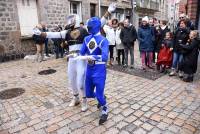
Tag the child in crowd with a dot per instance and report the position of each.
(190, 57)
(165, 53)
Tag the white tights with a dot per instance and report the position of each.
(76, 74)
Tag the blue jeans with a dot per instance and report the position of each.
(177, 58)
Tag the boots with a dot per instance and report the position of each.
(104, 115)
(84, 105)
(75, 101)
(180, 74)
(162, 69)
(188, 78)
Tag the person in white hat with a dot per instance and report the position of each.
(146, 39)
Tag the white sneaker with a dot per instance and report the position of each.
(74, 102)
(84, 105)
(173, 72)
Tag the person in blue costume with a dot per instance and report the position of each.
(74, 37)
(95, 50)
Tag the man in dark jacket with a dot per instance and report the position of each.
(128, 36)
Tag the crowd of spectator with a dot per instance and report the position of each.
(175, 51)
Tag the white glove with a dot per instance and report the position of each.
(112, 7)
(36, 31)
(84, 58)
(71, 55)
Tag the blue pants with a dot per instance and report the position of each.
(99, 83)
(177, 58)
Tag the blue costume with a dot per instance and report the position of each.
(96, 46)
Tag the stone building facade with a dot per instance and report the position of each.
(9, 27)
(192, 9)
(162, 14)
(18, 17)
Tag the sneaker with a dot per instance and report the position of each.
(180, 74)
(188, 79)
(84, 105)
(98, 106)
(143, 67)
(132, 67)
(74, 102)
(158, 67)
(125, 65)
(162, 69)
(172, 73)
(150, 66)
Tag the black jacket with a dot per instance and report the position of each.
(190, 57)
(128, 35)
(160, 37)
(168, 43)
(181, 36)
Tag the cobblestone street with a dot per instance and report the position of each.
(136, 105)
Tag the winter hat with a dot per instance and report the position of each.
(145, 19)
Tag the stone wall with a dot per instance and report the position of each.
(49, 11)
(9, 27)
(192, 9)
(53, 11)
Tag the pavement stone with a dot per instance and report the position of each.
(136, 105)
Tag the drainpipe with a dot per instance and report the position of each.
(99, 4)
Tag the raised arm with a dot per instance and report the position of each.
(61, 34)
(111, 9)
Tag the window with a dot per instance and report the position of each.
(75, 8)
(92, 10)
(28, 17)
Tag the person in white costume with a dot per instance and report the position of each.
(74, 37)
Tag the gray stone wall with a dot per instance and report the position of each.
(9, 27)
(53, 12)
(49, 11)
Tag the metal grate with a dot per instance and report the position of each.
(148, 74)
(11, 93)
(47, 72)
